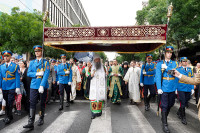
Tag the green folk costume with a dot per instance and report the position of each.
(86, 80)
(115, 84)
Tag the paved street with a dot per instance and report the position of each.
(124, 118)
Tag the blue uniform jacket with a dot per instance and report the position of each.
(148, 78)
(169, 83)
(182, 86)
(9, 77)
(64, 78)
(35, 67)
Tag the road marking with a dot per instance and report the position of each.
(140, 123)
(17, 126)
(62, 123)
(102, 124)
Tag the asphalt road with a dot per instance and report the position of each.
(124, 118)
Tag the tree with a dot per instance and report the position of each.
(183, 25)
(20, 31)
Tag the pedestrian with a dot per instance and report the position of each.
(132, 78)
(147, 80)
(9, 83)
(39, 72)
(87, 78)
(184, 90)
(125, 89)
(64, 72)
(97, 87)
(51, 81)
(166, 85)
(115, 85)
(76, 79)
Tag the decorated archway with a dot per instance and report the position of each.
(121, 39)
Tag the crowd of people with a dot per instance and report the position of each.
(46, 80)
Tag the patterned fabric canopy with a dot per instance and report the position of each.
(130, 39)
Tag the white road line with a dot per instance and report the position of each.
(102, 124)
(62, 123)
(17, 126)
(141, 124)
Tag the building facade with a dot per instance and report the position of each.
(66, 13)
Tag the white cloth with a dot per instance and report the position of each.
(133, 78)
(76, 78)
(41, 89)
(160, 91)
(41, 73)
(98, 84)
(18, 91)
(164, 66)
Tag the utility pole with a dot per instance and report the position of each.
(44, 6)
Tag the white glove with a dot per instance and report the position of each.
(67, 72)
(160, 91)
(141, 84)
(176, 92)
(0, 90)
(69, 83)
(41, 73)
(41, 89)
(144, 72)
(57, 82)
(192, 91)
(17, 90)
(164, 66)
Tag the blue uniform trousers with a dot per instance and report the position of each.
(151, 89)
(167, 101)
(184, 97)
(67, 89)
(34, 96)
(9, 97)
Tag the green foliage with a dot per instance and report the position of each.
(20, 31)
(184, 23)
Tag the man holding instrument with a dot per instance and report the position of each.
(39, 72)
(166, 85)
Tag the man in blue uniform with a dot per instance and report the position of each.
(64, 72)
(184, 90)
(147, 80)
(9, 83)
(55, 86)
(39, 70)
(166, 84)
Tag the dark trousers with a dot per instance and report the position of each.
(197, 93)
(9, 97)
(34, 96)
(167, 101)
(67, 89)
(152, 90)
(184, 97)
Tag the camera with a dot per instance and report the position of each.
(171, 72)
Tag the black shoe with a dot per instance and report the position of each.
(183, 118)
(92, 117)
(164, 122)
(19, 112)
(7, 120)
(67, 104)
(40, 122)
(72, 101)
(146, 108)
(61, 108)
(31, 120)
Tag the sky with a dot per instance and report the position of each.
(112, 13)
(99, 12)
